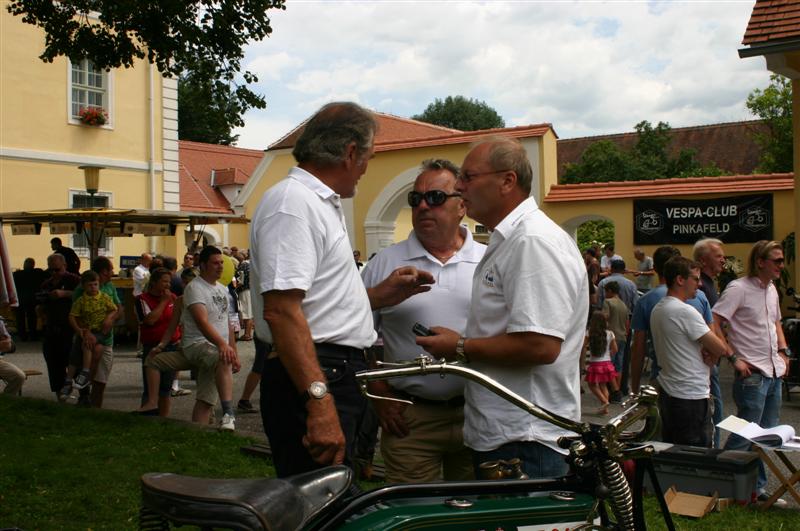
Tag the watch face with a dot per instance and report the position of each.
(317, 389)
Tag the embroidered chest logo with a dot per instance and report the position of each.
(488, 277)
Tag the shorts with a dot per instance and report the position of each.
(203, 357)
(618, 359)
(262, 349)
(103, 369)
(245, 308)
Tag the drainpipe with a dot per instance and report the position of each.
(151, 163)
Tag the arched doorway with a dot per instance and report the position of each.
(380, 223)
(590, 228)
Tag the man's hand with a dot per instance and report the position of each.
(785, 359)
(742, 368)
(324, 439)
(390, 412)
(227, 354)
(89, 341)
(442, 344)
(402, 283)
(108, 323)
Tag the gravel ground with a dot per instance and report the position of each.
(124, 390)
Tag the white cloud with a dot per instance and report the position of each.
(587, 68)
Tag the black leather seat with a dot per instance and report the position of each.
(269, 504)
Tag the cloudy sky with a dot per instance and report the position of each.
(586, 67)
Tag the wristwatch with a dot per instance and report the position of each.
(785, 350)
(460, 354)
(732, 358)
(316, 390)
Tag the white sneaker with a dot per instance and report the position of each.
(227, 423)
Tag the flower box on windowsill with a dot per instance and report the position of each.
(94, 116)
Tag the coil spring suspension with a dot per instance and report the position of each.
(621, 497)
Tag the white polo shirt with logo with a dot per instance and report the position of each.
(446, 304)
(531, 279)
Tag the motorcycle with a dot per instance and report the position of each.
(322, 500)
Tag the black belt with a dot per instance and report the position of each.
(456, 401)
(326, 350)
(342, 352)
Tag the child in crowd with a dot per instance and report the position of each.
(88, 319)
(619, 323)
(600, 371)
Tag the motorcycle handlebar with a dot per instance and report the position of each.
(642, 405)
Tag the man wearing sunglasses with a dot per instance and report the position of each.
(423, 442)
(527, 317)
(749, 313)
(311, 310)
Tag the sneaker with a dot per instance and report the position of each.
(81, 381)
(245, 406)
(227, 423)
(63, 394)
(180, 392)
(780, 503)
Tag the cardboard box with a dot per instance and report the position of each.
(692, 505)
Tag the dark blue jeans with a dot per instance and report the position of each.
(283, 411)
(538, 461)
(716, 395)
(758, 399)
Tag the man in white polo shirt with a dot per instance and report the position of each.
(309, 303)
(679, 335)
(527, 318)
(423, 442)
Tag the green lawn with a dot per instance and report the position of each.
(68, 468)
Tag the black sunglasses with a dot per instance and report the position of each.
(432, 197)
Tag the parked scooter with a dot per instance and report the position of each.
(320, 500)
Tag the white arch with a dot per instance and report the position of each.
(380, 221)
(571, 225)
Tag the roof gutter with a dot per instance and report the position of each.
(768, 49)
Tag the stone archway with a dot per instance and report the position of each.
(571, 225)
(379, 224)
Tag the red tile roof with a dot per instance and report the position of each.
(671, 187)
(390, 129)
(395, 132)
(729, 145)
(231, 165)
(773, 20)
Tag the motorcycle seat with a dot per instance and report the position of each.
(268, 504)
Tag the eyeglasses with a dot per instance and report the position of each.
(776, 261)
(432, 197)
(467, 177)
(696, 278)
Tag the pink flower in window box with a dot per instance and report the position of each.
(93, 116)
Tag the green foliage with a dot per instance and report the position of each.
(596, 231)
(604, 161)
(774, 106)
(461, 113)
(207, 111)
(201, 38)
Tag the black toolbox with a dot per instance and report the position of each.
(704, 471)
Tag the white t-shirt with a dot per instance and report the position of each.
(677, 328)
(298, 240)
(215, 298)
(140, 276)
(531, 279)
(605, 261)
(446, 304)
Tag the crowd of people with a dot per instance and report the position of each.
(526, 310)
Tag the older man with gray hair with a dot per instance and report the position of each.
(310, 307)
(527, 317)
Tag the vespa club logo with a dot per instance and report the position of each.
(755, 218)
(649, 222)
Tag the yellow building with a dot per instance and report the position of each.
(43, 141)
(772, 33)
(378, 215)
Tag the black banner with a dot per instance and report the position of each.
(737, 219)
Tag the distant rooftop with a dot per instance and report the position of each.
(729, 145)
(773, 21)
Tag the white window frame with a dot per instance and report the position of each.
(83, 251)
(108, 101)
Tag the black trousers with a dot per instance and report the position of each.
(283, 410)
(686, 421)
(56, 346)
(26, 321)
